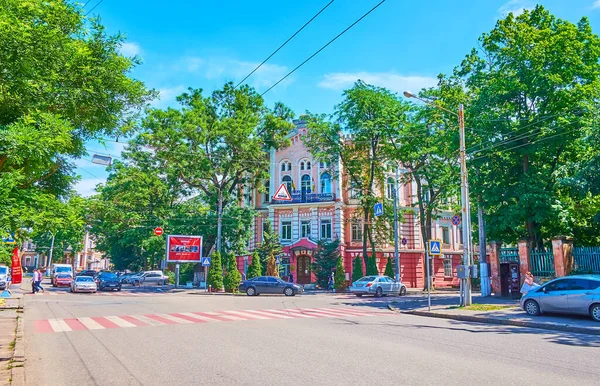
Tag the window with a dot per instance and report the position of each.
(289, 166)
(305, 184)
(286, 230)
(390, 185)
(325, 183)
(357, 230)
(307, 165)
(354, 191)
(287, 180)
(265, 229)
(559, 285)
(447, 266)
(326, 229)
(445, 235)
(323, 165)
(267, 191)
(305, 228)
(283, 166)
(425, 194)
(286, 165)
(302, 165)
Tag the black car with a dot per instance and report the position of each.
(269, 285)
(107, 281)
(88, 272)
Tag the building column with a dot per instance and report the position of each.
(563, 255)
(524, 250)
(314, 223)
(295, 225)
(494, 262)
(339, 223)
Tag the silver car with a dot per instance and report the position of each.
(566, 295)
(377, 286)
(84, 284)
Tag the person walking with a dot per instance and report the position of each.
(40, 277)
(34, 288)
(331, 282)
(291, 278)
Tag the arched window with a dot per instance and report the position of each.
(307, 165)
(283, 166)
(287, 180)
(302, 165)
(289, 166)
(305, 184)
(325, 183)
(267, 191)
(389, 193)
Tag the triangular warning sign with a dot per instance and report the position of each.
(282, 194)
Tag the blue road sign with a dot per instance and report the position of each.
(435, 247)
(456, 220)
(205, 261)
(277, 260)
(404, 241)
(378, 208)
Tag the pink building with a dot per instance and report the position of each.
(324, 207)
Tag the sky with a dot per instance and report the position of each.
(402, 45)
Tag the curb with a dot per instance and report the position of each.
(18, 359)
(510, 322)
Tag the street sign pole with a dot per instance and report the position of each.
(396, 255)
(428, 279)
(466, 207)
(177, 275)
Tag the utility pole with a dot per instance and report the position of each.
(396, 255)
(466, 208)
(51, 250)
(85, 247)
(485, 277)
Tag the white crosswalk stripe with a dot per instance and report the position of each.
(270, 314)
(90, 323)
(223, 315)
(120, 322)
(199, 317)
(59, 325)
(147, 320)
(175, 319)
(248, 314)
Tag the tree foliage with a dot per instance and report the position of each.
(340, 276)
(254, 269)
(233, 277)
(215, 272)
(389, 269)
(268, 250)
(357, 269)
(325, 260)
(372, 268)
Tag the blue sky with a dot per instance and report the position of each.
(402, 45)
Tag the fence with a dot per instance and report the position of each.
(541, 262)
(586, 259)
(509, 255)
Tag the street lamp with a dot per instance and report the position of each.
(465, 299)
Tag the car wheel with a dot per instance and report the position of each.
(532, 308)
(119, 289)
(403, 291)
(251, 291)
(595, 312)
(378, 292)
(358, 295)
(288, 291)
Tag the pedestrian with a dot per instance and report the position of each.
(331, 282)
(243, 276)
(34, 288)
(291, 278)
(40, 277)
(528, 284)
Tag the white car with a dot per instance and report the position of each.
(150, 277)
(377, 286)
(84, 284)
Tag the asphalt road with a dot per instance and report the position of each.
(145, 345)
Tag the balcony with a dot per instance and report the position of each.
(299, 197)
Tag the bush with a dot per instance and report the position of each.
(357, 269)
(389, 269)
(254, 270)
(233, 277)
(372, 266)
(340, 276)
(325, 261)
(215, 272)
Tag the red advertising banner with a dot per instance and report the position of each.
(17, 273)
(184, 249)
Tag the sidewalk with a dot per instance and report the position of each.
(12, 358)
(508, 314)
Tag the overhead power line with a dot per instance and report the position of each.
(286, 42)
(94, 7)
(322, 48)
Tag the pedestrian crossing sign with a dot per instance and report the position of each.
(205, 261)
(435, 247)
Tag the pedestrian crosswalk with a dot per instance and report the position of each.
(149, 320)
(111, 293)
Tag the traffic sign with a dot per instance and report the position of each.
(435, 247)
(158, 231)
(282, 194)
(278, 260)
(404, 241)
(456, 220)
(378, 209)
(205, 261)
(9, 240)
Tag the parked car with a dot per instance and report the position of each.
(269, 285)
(579, 294)
(152, 277)
(63, 280)
(58, 269)
(124, 278)
(4, 274)
(87, 272)
(377, 286)
(83, 284)
(108, 280)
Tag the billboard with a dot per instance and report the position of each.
(184, 249)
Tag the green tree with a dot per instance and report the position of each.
(372, 266)
(325, 260)
(269, 249)
(389, 269)
(357, 269)
(254, 270)
(535, 108)
(233, 277)
(216, 144)
(340, 276)
(215, 272)
(369, 115)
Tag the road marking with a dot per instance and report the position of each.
(188, 316)
(104, 322)
(59, 325)
(270, 314)
(342, 312)
(90, 323)
(247, 315)
(213, 316)
(120, 322)
(75, 324)
(148, 321)
(175, 319)
(292, 313)
(132, 320)
(195, 315)
(160, 319)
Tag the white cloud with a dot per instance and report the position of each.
(130, 49)
(236, 70)
(87, 187)
(390, 80)
(516, 7)
(596, 4)
(167, 96)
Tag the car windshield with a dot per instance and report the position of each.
(63, 276)
(108, 276)
(84, 278)
(63, 269)
(3, 270)
(367, 278)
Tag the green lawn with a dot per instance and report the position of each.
(484, 307)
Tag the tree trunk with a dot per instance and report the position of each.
(365, 236)
(219, 218)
